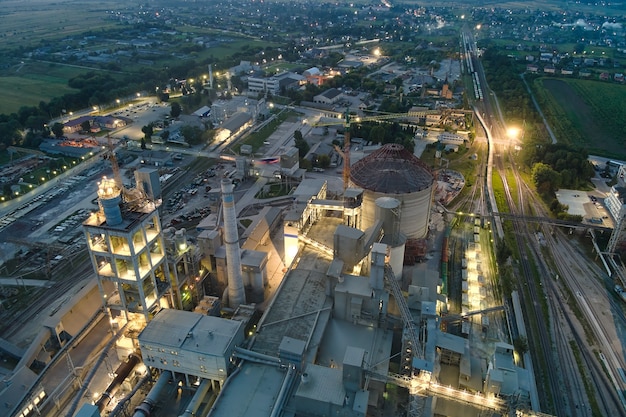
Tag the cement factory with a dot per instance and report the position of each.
(328, 322)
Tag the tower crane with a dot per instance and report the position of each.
(348, 119)
(110, 155)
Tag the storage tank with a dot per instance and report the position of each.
(392, 171)
(388, 211)
(110, 198)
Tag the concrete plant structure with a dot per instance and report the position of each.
(127, 251)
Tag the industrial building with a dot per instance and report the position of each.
(330, 338)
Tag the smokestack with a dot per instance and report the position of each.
(236, 292)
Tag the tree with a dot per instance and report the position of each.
(301, 144)
(305, 164)
(86, 126)
(502, 253)
(377, 134)
(175, 110)
(521, 345)
(192, 134)
(545, 178)
(143, 143)
(323, 161)
(163, 96)
(57, 129)
(148, 131)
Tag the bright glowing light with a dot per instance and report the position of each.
(478, 26)
(513, 132)
(376, 52)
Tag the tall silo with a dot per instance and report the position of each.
(388, 211)
(392, 171)
(110, 198)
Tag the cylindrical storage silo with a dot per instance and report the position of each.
(396, 257)
(110, 198)
(388, 211)
(392, 171)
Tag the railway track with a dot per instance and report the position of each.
(568, 390)
(540, 344)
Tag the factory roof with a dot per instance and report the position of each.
(391, 170)
(308, 188)
(132, 216)
(354, 356)
(354, 285)
(451, 342)
(324, 385)
(190, 331)
(253, 258)
(352, 192)
(350, 232)
(251, 392)
(261, 225)
(236, 121)
(289, 312)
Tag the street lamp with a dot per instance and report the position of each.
(513, 132)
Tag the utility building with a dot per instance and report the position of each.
(191, 344)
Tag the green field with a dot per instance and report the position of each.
(585, 113)
(26, 23)
(32, 82)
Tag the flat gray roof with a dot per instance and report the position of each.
(451, 342)
(190, 331)
(341, 335)
(348, 231)
(324, 385)
(251, 392)
(299, 295)
(354, 356)
(355, 285)
(308, 188)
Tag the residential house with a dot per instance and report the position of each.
(549, 69)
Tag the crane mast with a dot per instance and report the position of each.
(117, 175)
(346, 151)
(377, 118)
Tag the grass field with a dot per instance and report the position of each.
(32, 82)
(585, 113)
(26, 23)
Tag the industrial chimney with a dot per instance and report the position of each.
(236, 292)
